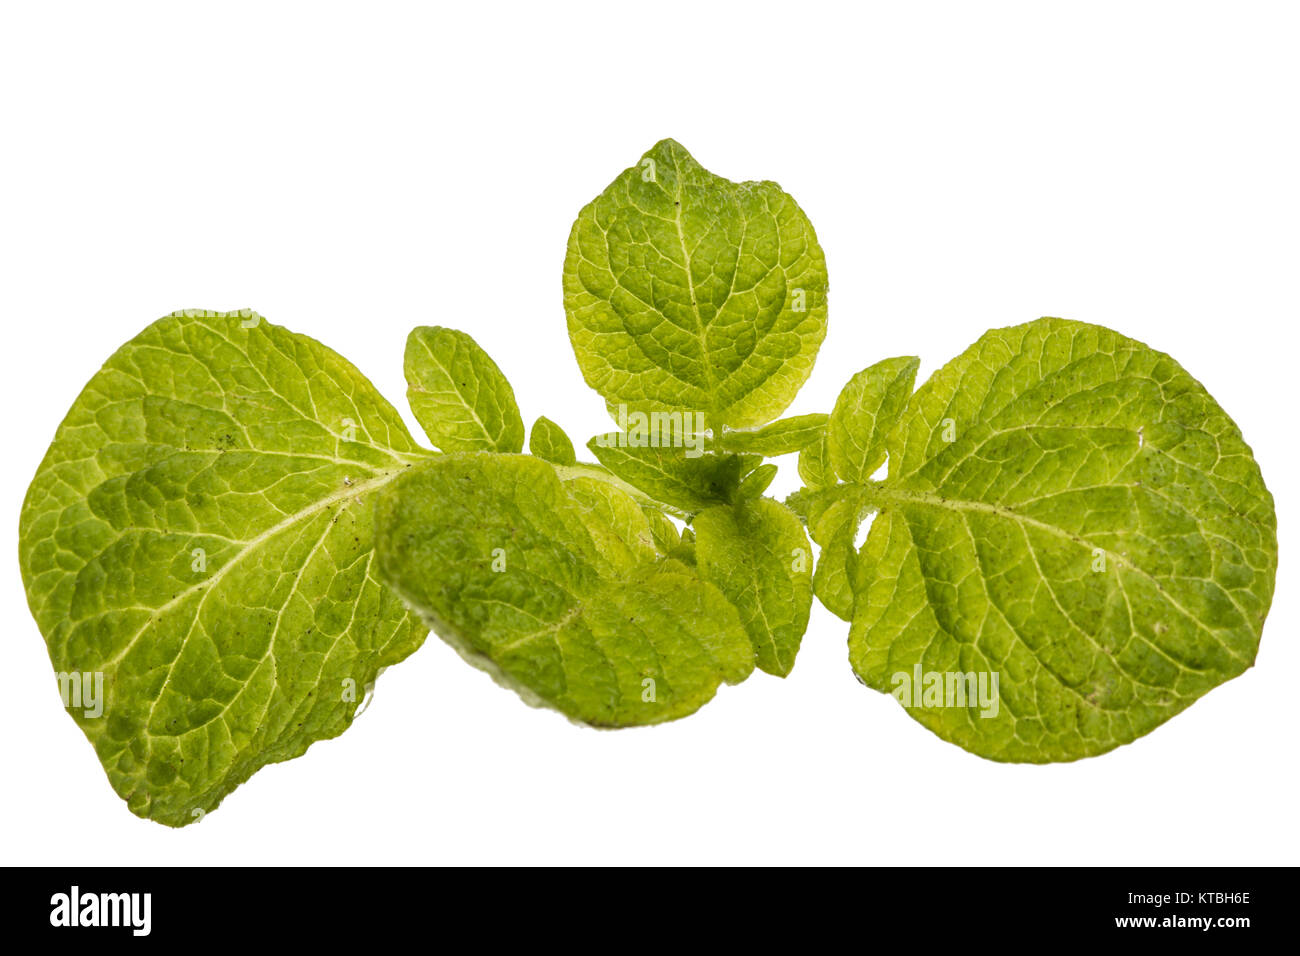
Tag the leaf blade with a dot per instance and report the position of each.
(1094, 478)
(458, 394)
(548, 441)
(815, 466)
(781, 437)
(758, 555)
(685, 291)
(210, 450)
(865, 413)
(668, 474)
(564, 620)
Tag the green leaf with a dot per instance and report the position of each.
(778, 438)
(835, 530)
(758, 555)
(200, 535)
(684, 550)
(810, 504)
(833, 515)
(815, 464)
(662, 530)
(548, 441)
(530, 583)
(668, 474)
(613, 514)
(756, 482)
(1070, 510)
(865, 412)
(685, 291)
(458, 395)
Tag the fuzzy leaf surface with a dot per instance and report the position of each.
(1069, 509)
(559, 596)
(685, 291)
(200, 534)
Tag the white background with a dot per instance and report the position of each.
(353, 171)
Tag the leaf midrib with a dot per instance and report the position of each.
(883, 493)
(709, 381)
(348, 492)
(455, 390)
